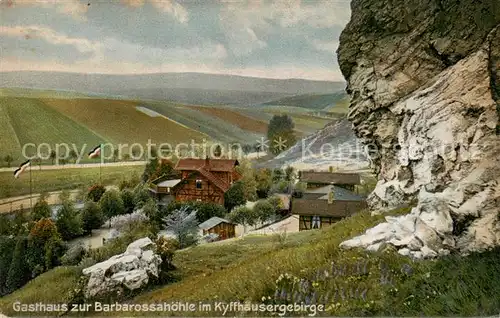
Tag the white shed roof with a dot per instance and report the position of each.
(168, 183)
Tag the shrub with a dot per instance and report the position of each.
(69, 222)
(235, 196)
(111, 204)
(96, 192)
(141, 195)
(276, 203)
(207, 210)
(73, 255)
(299, 190)
(184, 225)
(128, 200)
(7, 246)
(243, 215)
(41, 209)
(264, 210)
(92, 217)
(43, 231)
(19, 271)
(6, 225)
(264, 181)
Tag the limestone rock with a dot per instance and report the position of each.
(425, 92)
(128, 271)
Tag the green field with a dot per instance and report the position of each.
(32, 121)
(247, 270)
(310, 101)
(63, 179)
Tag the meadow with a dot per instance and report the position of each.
(29, 120)
(63, 179)
(253, 268)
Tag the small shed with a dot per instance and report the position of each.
(222, 227)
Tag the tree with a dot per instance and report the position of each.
(69, 222)
(19, 271)
(184, 225)
(96, 192)
(44, 246)
(112, 204)
(281, 133)
(289, 173)
(6, 225)
(150, 209)
(52, 156)
(116, 155)
(128, 200)
(8, 160)
(7, 246)
(151, 167)
(41, 209)
(246, 148)
(235, 196)
(207, 210)
(264, 210)
(264, 182)
(141, 195)
(244, 216)
(248, 180)
(92, 217)
(73, 155)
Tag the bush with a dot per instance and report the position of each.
(96, 192)
(141, 195)
(299, 190)
(128, 201)
(41, 209)
(235, 196)
(69, 222)
(73, 256)
(92, 217)
(276, 203)
(111, 204)
(7, 246)
(19, 271)
(243, 215)
(264, 210)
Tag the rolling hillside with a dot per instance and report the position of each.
(311, 101)
(190, 88)
(28, 120)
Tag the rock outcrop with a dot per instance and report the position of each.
(128, 271)
(424, 78)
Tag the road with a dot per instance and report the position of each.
(14, 203)
(81, 166)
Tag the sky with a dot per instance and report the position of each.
(258, 38)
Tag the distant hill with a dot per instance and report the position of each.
(180, 87)
(310, 101)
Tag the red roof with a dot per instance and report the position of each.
(218, 182)
(213, 164)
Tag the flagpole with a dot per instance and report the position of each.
(100, 165)
(31, 190)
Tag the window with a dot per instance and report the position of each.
(316, 222)
(198, 184)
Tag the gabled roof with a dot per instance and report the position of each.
(218, 182)
(330, 177)
(169, 183)
(339, 193)
(213, 164)
(210, 223)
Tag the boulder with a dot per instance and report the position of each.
(131, 270)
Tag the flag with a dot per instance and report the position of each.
(96, 152)
(21, 168)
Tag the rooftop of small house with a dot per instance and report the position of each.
(325, 177)
(223, 165)
(340, 194)
(214, 221)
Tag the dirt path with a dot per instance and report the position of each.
(14, 203)
(80, 166)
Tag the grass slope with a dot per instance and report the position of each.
(310, 101)
(235, 118)
(31, 121)
(55, 180)
(122, 123)
(213, 126)
(247, 269)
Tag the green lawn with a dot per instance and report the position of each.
(34, 122)
(54, 180)
(248, 270)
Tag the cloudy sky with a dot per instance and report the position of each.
(262, 38)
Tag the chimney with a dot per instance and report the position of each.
(207, 162)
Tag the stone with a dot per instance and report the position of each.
(425, 88)
(427, 252)
(130, 270)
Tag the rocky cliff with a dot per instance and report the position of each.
(424, 77)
